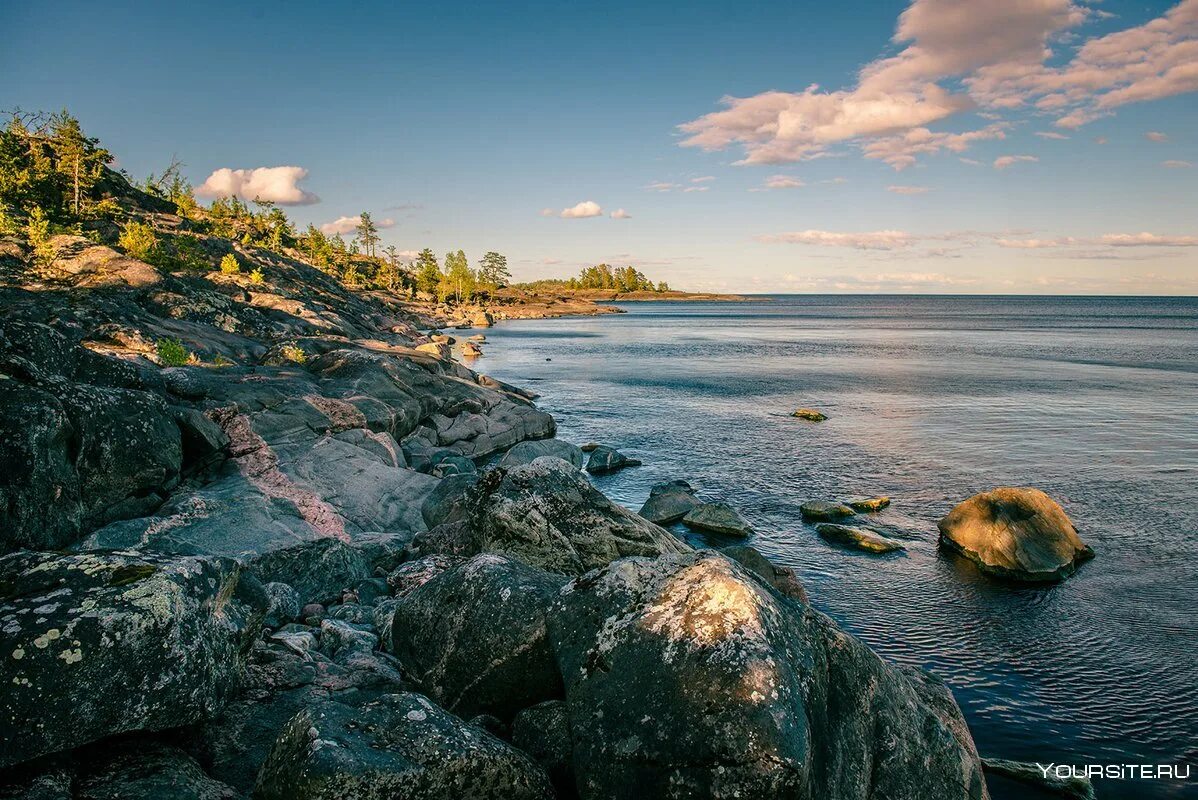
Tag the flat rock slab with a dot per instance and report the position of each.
(809, 414)
(825, 511)
(858, 538)
(717, 518)
(867, 505)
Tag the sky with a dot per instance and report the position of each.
(935, 146)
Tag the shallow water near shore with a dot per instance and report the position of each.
(930, 400)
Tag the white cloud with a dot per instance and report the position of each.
(1156, 136)
(587, 208)
(548, 212)
(1143, 239)
(696, 189)
(873, 240)
(1175, 164)
(909, 189)
(1002, 162)
(620, 213)
(350, 224)
(782, 182)
(275, 184)
(1051, 135)
(703, 179)
(662, 186)
(998, 51)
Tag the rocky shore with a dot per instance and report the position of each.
(283, 569)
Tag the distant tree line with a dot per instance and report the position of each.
(603, 276)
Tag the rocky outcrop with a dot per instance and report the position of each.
(867, 505)
(525, 452)
(97, 644)
(824, 510)
(857, 538)
(604, 459)
(687, 677)
(473, 637)
(549, 516)
(1016, 534)
(400, 745)
(669, 502)
(717, 518)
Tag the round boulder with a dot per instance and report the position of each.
(717, 518)
(1015, 533)
(669, 502)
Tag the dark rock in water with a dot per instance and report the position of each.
(543, 731)
(717, 518)
(867, 505)
(473, 637)
(97, 644)
(399, 746)
(809, 414)
(858, 538)
(525, 452)
(1017, 534)
(549, 516)
(669, 502)
(687, 677)
(605, 459)
(146, 769)
(1077, 788)
(824, 510)
(445, 503)
(783, 579)
(589, 447)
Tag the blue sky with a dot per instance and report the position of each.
(475, 125)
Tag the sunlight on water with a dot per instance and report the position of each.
(931, 400)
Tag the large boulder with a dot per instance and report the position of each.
(400, 745)
(669, 502)
(474, 637)
(686, 676)
(525, 452)
(97, 644)
(606, 459)
(548, 515)
(717, 518)
(1017, 534)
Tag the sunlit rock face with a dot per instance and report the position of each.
(97, 644)
(686, 676)
(1016, 534)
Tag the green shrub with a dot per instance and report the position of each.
(229, 265)
(294, 353)
(138, 240)
(38, 231)
(172, 353)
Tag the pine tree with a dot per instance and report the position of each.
(428, 272)
(368, 233)
(493, 272)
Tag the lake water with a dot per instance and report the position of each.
(930, 400)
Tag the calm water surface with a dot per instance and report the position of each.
(1094, 400)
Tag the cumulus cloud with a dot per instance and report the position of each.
(587, 208)
(274, 184)
(620, 213)
(1156, 136)
(350, 224)
(1175, 164)
(1002, 162)
(909, 189)
(1005, 56)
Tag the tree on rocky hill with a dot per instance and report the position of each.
(493, 272)
(368, 234)
(428, 271)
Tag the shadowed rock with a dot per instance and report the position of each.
(605, 459)
(400, 745)
(473, 637)
(1017, 534)
(783, 579)
(526, 452)
(1032, 775)
(718, 518)
(825, 510)
(97, 644)
(669, 502)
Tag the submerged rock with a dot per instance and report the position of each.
(549, 516)
(669, 502)
(1017, 534)
(1077, 788)
(867, 505)
(858, 538)
(687, 677)
(718, 518)
(605, 459)
(473, 637)
(400, 745)
(526, 452)
(809, 414)
(97, 644)
(825, 510)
